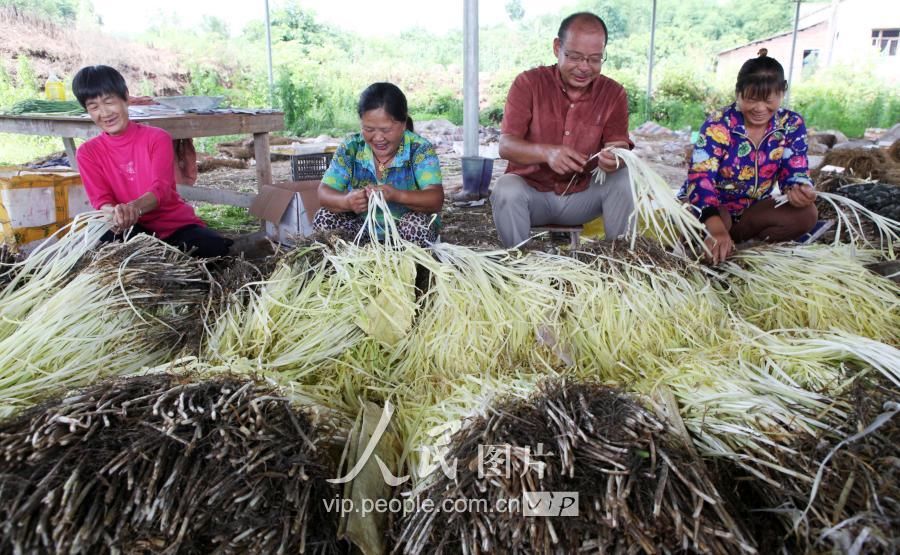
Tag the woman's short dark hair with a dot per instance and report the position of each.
(760, 77)
(583, 16)
(93, 81)
(387, 96)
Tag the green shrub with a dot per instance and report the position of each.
(204, 81)
(678, 114)
(682, 85)
(315, 106)
(19, 149)
(227, 218)
(441, 104)
(294, 99)
(637, 95)
(685, 96)
(492, 116)
(848, 99)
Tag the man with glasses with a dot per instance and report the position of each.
(557, 117)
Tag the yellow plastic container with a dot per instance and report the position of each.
(34, 205)
(594, 229)
(54, 89)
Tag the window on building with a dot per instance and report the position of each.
(885, 40)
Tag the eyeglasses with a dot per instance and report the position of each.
(576, 58)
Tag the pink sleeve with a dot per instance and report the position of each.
(162, 163)
(96, 186)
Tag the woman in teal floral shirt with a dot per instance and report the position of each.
(387, 156)
(739, 156)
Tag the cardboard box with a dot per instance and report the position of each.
(288, 209)
(36, 204)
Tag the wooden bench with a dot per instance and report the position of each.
(574, 231)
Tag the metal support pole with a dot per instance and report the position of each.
(470, 78)
(650, 56)
(832, 31)
(790, 76)
(269, 48)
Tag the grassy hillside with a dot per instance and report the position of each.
(32, 46)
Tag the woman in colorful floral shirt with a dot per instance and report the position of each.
(385, 156)
(741, 153)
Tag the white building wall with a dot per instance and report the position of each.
(853, 23)
(844, 36)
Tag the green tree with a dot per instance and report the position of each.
(215, 26)
(87, 17)
(293, 23)
(254, 31)
(56, 10)
(514, 10)
(622, 17)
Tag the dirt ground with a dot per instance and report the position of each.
(462, 224)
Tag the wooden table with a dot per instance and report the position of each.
(181, 126)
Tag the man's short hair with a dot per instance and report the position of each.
(586, 16)
(94, 81)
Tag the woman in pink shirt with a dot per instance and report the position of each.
(129, 170)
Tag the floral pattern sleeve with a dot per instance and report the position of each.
(794, 169)
(427, 167)
(700, 188)
(729, 172)
(340, 171)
